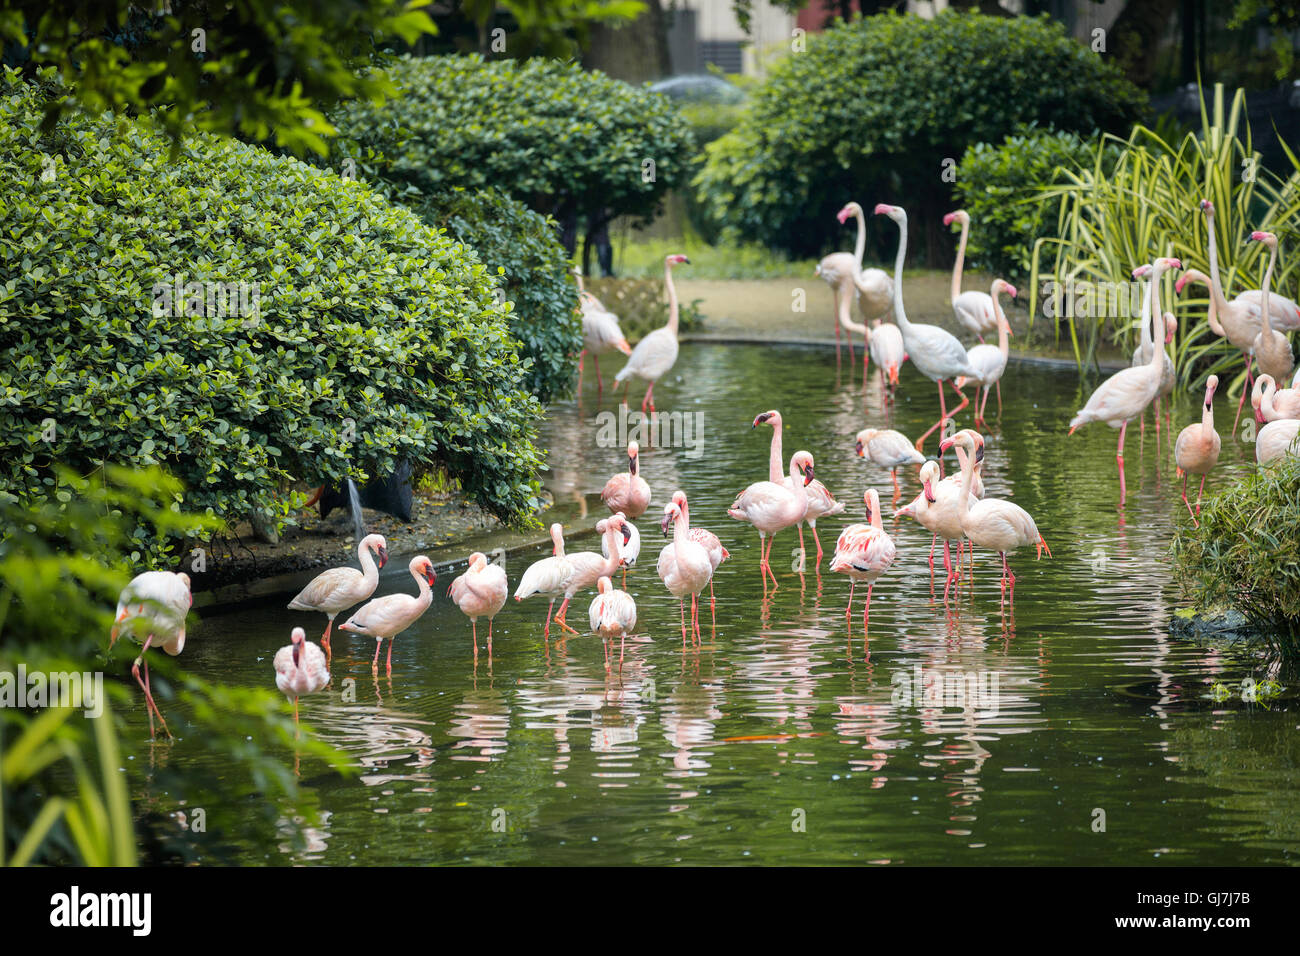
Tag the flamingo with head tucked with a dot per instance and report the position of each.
(388, 616)
(1276, 439)
(936, 509)
(480, 592)
(888, 449)
(588, 567)
(1277, 403)
(549, 576)
(684, 566)
(937, 353)
(974, 310)
(864, 552)
(655, 354)
(627, 491)
(1196, 451)
(771, 506)
(600, 331)
(300, 668)
(334, 591)
(151, 610)
(612, 614)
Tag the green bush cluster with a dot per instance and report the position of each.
(1246, 552)
(999, 186)
(373, 338)
(878, 109)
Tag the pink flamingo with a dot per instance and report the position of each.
(655, 354)
(1276, 439)
(937, 353)
(480, 592)
(936, 509)
(992, 523)
(549, 576)
(991, 361)
(1124, 395)
(153, 605)
(1277, 403)
(388, 616)
(709, 542)
(684, 567)
(334, 591)
(300, 668)
(820, 501)
(1272, 348)
(864, 552)
(1142, 354)
(627, 491)
(588, 567)
(629, 550)
(612, 614)
(888, 449)
(841, 269)
(600, 331)
(974, 310)
(1196, 451)
(772, 506)
(886, 348)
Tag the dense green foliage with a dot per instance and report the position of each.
(363, 336)
(557, 28)
(999, 186)
(873, 109)
(62, 566)
(1113, 218)
(562, 140)
(521, 249)
(1246, 552)
(257, 68)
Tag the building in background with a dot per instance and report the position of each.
(704, 34)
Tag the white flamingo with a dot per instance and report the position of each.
(771, 506)
(612, 614)
(937, 510)
(974, 309)
(600, 331)
(991, 361)
(821, 502)
(1272, 348)
(684, 567)
(871, 287)
(588, 567)
(480, 592)
(655, 354)
(937, 353)
(334, 591)
(151, 610)
(628, 551)
(1276, 439)
(388, 616)
(1142, 354)
(549, 576)
(864, 552)
(300, 668)
(888, 449)
(1277, 403)
(708, 541)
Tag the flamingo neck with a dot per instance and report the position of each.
(369, 570)
(859, 247)
(1207, 418)
(672, 298)
(614, 545)
(1157, 322)
(900, 317)
(875, 515)
(1263, 298)
(967, 476)
(844, 306)
(961, 259)
(1216, 287)
(422, 583)
(1004, 337)
(775, 460)
(800, 489)
(1146, 315)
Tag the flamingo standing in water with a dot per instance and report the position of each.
(886, 348)
(1124, 395)
(974, 309)
(937, 510)
(772, 506)
(888, 449)
(1196, 451)
(600, 331)
(991, 361)
(153, 606)
(936, 352)
(588, 567)
(300, 668)
(612, 614)
(992, 523)
(480, 592)
(864, 552)
(655, 354)
(844, 273)
(1142, 354)
(1277, 403)
(627, 491)
(1272, 348)
(388, 616)
(820, 501)
(685, 568)
(709, 542)
(629, 551)
(334, 591)
(549, 576)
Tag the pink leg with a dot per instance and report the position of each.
(933, 540)
(1199, 492)
(600, 386)
(713, 605)
(649, 399)
(550, 607)
(474, 625)
(325, 640)
(866, 613)
(390, 657)
(1119, 461)
(489, 640)
(582, 357)
(999, 388)
(848, 611)
(151, 707)
(681, 606)
(943, 413)
(819, 545)
(374, 664)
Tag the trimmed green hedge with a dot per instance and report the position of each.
(374, 337)
(877, 110)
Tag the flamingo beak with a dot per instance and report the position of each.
(297, 646)
(979, 454)
(893, 375)
(627, 534)
(631, 464)
(663, 525)
(860, 454)
(929, 493)
(808, 475)
(383, 555)
(430, 575)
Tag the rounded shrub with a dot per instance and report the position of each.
(240, 319)
(882, 108)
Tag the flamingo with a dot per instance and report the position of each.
(886, 348)
(888, 449)
(873, 286)
(1277, 403)
(390, 615)
(992, 523)
(685, 567)
(334, 591)
(154, 606)
(627, 491)
(936, 509)
(1124, 395)
(1272, 348)
(709, 542)
(629, 551)
(600, 330)
(820, 501)
(1142, 354)
(300, 668)
(974, 310)
(991, 361)
(936, 352)
(1196, 451)
(549, 576)
(612, 614)
(1276, 439)
(655, 354)
(587, 567)
(772, 506)
(480, 592)
(864, 552)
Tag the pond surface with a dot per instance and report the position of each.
(777, 742)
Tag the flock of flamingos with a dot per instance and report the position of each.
(154, 606)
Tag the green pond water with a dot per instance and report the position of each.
(1085, 711)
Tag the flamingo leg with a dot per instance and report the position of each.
(713, 604)
(819, 544)
(649, 399)
(1199, 492)
(489, 639)
(898, 492)
(933, 540)
(151, 706)
(681, 606)
(550, 607)
(295, 710)
(559, 616)
(582, 357)
(1119, 462)
(943, 413)
(474, 626)
(999, 389)
(837, 329)
(848, 611)
(600, 386)
(325, 640)
(389, 664)
(866, 614)
(374, 664)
